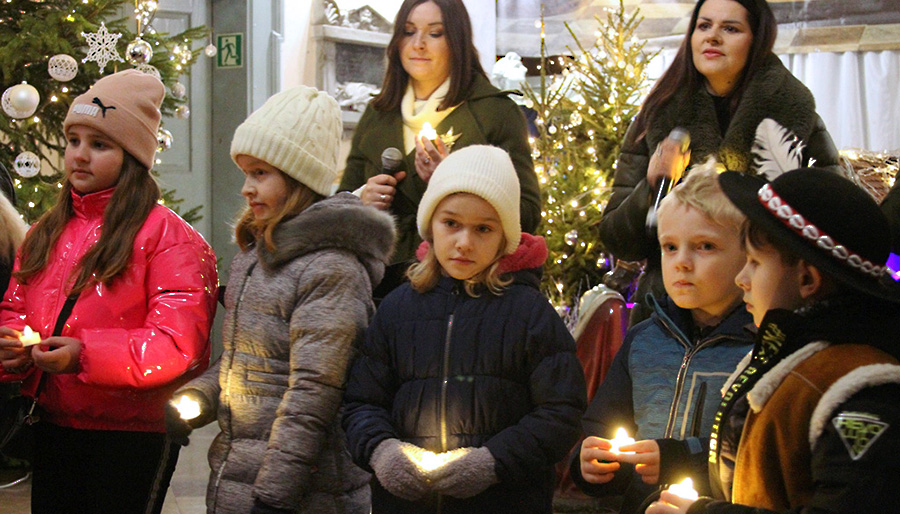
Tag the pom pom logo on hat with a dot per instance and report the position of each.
(858, 431)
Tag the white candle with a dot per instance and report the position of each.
(29, 337)
(684, 489)
(621, 439)
(428, 132)
(187, 408)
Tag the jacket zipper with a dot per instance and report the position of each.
(227, 388)
(682, 371)
(445, 379)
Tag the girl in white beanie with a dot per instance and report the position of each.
(122, 293)
(299, 296)
(467, 389)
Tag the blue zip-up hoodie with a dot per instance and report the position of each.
(654, 386)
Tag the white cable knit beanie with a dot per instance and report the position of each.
(482, 170)
(297, 131)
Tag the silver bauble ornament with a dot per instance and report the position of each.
(210, 50)
(138, 52)
(164, 138)
(27, 164)
(62, 67)
(179, 90)
(571, 237)
(182, 112)
(21, 100)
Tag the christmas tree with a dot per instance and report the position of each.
(53, 50)
(581, 118)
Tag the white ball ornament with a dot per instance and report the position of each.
(27, 164)
(139, 52)
(164, 138)
(210, 50)
(179, 90)
(182, 112)
(20, 101)
(149, 69)
(62, 67)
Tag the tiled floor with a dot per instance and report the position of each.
(186, 495)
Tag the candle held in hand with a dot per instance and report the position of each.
(428, 132)
(684, 489)
(187, 408)
(621, 439)
(29, 337)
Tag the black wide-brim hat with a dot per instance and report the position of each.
(824, 218)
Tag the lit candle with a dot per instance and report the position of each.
(621, 439)
(685, 489)
(29, 337)
(187, 408)
(428, 132)
(427, 460)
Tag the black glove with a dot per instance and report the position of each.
(261, 508)
(177, 428)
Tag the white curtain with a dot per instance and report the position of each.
(857, 94)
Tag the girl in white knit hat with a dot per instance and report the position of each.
(298, 298)
(122, 294)
(467, 389)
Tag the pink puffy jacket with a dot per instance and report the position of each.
(142, 337)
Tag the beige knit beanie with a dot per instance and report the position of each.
(125, 107)
(297, 131)
(482, 170)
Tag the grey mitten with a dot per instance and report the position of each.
(467, 475)
(395, 469)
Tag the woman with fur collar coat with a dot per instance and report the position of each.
(722, 83)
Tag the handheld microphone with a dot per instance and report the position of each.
(682, 136)
(390, 160)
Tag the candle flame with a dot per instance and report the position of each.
(427, 460)
(621, 439)
(428, 132)
(29, 337)
(685, 489)
(187, 408)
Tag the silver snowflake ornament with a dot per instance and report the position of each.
(102, 46)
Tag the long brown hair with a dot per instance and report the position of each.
(135, 196)
(682, 75)
(248, 230)
(464, 64)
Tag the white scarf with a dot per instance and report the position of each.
(416, 112)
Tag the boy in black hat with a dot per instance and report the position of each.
(811, 423)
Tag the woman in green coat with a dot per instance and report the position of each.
(433, 75)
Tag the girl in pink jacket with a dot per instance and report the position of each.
(144, 285)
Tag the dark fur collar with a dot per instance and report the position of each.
(772, 93)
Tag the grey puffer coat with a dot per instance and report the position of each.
(292, 322)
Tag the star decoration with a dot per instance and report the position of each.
(102, 46)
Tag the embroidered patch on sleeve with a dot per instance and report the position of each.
(858, 431)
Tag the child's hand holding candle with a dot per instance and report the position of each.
(29, 337)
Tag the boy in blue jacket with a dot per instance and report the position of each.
(664, 384)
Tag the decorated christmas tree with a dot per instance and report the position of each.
(582, 116)
(53, 50)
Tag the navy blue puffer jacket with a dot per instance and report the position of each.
(443, 370)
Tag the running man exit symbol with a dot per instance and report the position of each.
(231, 50)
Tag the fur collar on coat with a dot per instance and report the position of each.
(772, 93)
(338, 222)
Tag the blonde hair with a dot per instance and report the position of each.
(701, 190)
(425, 274)
(248, 230)
(136, 194)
